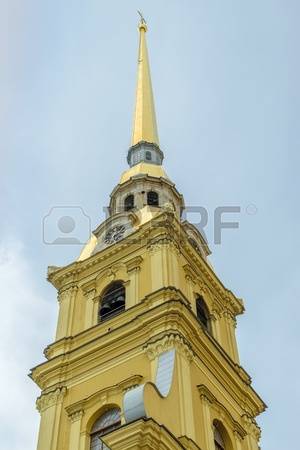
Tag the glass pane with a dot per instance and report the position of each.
(108, 419)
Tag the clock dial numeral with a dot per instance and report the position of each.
(114, 234)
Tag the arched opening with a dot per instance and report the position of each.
(112, 301)
(129, 202)
(202, 313)
(221, 438)
(152, 198)
(148, 156)
(107, 422)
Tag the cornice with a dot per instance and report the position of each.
(146, 434)
(188, 443)
(145, 177)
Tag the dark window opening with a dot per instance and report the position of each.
(112, 302)
(202, 313)
(129, 202)
(218, 439)
(107, 422)
(152, 198)
(148, 156)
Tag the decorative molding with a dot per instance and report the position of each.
(102, 397)
(169, 341)
(237, 436)
(90, 295)
(225, 416)
(52, 398)
(190, 274)
(251, 426)
(66, 293)
(75, 416)
(134, 264)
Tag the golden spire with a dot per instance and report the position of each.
(144, 127)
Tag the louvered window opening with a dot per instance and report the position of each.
(129, 202)
(202, 313)
(152, 198)
(112, 302)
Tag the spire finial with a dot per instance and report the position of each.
(144, 127)
(142, 17)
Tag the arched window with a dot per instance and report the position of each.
(218, 438)
(129, 202)
(148, 156)
(107, 422)
(202, 313)
(152, 198)
(112, 301)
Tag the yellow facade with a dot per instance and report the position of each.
(174, 378)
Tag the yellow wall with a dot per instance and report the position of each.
(91, 365)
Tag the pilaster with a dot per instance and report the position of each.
(230, 324)
(75, 428)
(90, 299)
(66, 300)
(238, 441)
(207, 422)
(133, 270)
(49, 405)
(253, 432)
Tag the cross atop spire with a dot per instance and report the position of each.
(144, 126)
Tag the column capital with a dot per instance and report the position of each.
(237, 436)
(134, 265)
(76, 415)
(167, 342)
(49, 399)
(66, 292)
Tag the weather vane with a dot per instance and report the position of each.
(142, 17)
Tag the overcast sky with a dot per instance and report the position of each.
(226, 83)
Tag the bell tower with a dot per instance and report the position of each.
(145, 354)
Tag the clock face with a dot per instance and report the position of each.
(114, 234)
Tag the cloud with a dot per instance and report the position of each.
(24, 313)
